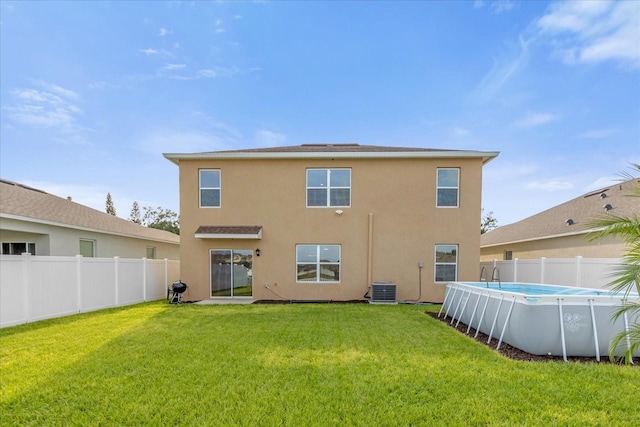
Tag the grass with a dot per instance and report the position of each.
(295, 365)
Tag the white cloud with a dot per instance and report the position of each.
(149, 51)
(176, 141)
(459, 131)
(153, 52)
(500, 6)
(535, 119)
(496, 6)
(49, 106)
(550, 185)
(169, 67)
(93, 196)
(594, 31)
(214, 72)
(597, 133)
(602, 182)
(502, 71)
(509, 170)
(267, 138)
(163, 32)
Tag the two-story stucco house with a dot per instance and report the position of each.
(325, 221)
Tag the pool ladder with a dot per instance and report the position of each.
(495, 276)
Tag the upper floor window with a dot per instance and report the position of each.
(318, 263)
(328, 187)
(209, 188)
(446, 263)
(448, 187)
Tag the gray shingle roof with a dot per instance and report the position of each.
(35, 205)
(581, 210)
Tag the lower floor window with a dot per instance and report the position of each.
(231, 272)
(318, 263)
(151, 252)
(18, 248)
(87, 248)
(446, 263)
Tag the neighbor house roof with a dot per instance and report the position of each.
(325, 151)
(568, 218)
(24, 203)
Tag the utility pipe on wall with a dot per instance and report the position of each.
(370, 249)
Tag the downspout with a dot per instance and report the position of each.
(370, 249)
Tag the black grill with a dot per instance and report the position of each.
(176, 290)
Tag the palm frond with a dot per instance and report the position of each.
(624, 344)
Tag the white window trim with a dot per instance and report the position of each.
(438, 187)
(318, 263)
(436, 263)
(329, 187)
(200, 188)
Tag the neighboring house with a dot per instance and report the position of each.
(324, 221)
(561, 232)
(42, 224)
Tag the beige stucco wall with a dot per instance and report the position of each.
(60, 241)
(400, 194)
(558, 247)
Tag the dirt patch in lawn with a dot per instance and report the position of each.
(513, 352)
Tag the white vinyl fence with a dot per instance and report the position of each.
(40, 287)
(581, 272)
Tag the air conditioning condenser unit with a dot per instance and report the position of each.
(383, 292)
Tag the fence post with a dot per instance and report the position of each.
(26, 264)
(144, 279)
(515, 270)
(116, 266)
(578, 271)
(79, 282)
(166, 275)
(542, 259)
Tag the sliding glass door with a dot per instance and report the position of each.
(231, 273)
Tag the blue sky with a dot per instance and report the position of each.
(92, 93)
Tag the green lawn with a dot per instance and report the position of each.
(290, 365)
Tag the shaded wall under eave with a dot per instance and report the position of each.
(557, 247)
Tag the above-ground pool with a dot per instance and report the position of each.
(539, 319)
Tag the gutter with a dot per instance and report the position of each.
(486, 156)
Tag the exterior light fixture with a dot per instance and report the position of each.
(257, 252)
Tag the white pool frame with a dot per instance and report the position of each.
(559, 325)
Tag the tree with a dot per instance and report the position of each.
(627, 275)
(110, 209)
(134, 216)
(487, 222)
(162, 219)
